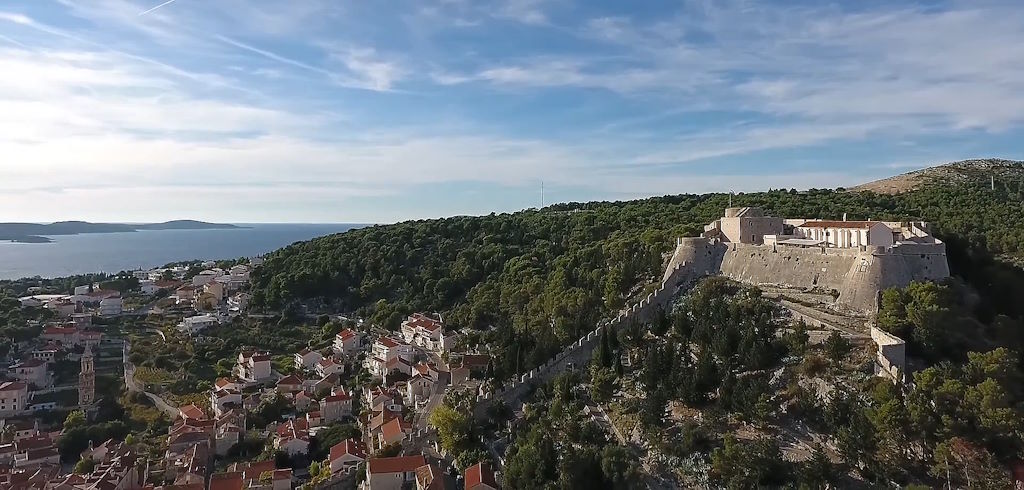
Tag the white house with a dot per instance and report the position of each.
(336, 406)
(293, 437)
(65, 335)
(110, 306)
(195, 324)
(346, 455)
(205, 277)
(419, 387)
(224, 399)
(328, 366)
(47, 353)
(13, 398)
(31, 302)
(388, 348)
(393, 473)
(420, 329)
(33, 372)
(347, 342)
(307, 359)
(238, 302)
(253, 367)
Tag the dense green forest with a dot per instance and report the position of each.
(541, 277)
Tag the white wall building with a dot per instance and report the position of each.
(110, 307)
(847, 234)
(195, 324)
(13, 398)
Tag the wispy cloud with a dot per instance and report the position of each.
(243, 103)
(273, 56)
(144, 12)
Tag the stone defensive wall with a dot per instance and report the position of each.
(681, 274)
(891, 356)
(857, 275)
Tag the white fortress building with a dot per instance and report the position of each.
(750, 225)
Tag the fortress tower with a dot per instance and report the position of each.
(87, 379)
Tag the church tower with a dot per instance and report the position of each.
(87, 379)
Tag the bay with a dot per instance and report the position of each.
(113, 252)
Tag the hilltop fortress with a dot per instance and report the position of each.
(852, 261)
(848, 263)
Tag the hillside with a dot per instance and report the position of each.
(965, 171)
(541, 278)
(710, 392)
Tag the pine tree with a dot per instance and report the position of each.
(606, 350)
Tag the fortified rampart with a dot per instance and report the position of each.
(680, 274)
(856, 275)
(891, 356)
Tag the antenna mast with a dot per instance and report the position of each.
(542, 194)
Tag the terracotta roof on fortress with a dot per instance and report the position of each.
(839, 224)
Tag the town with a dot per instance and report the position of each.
(376, 388)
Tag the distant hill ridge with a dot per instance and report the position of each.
(974, 170)
(37, 232)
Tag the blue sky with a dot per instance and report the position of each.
(377, 111)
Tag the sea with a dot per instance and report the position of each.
(113, 252)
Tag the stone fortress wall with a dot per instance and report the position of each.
(858, 275)
(679, 275)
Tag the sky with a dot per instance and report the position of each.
(379, 111)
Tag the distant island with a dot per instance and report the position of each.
(38, 233)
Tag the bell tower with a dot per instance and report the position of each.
(87, 379)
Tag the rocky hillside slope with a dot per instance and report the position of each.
(954, 172)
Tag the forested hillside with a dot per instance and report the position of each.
(542, 277)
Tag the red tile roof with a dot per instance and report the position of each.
(395, 465)
(338, 397)
(478, 474)
(346, 334)
(475, 361)
(192, 412)
(226, 481)
(395, 428)
(291, 379)
(419, 320)
(254, 470)
(429, 477)
(31, 363)
(13, 386)
(838, 224)
(294, 429)
(348, 446)
(388, 342)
